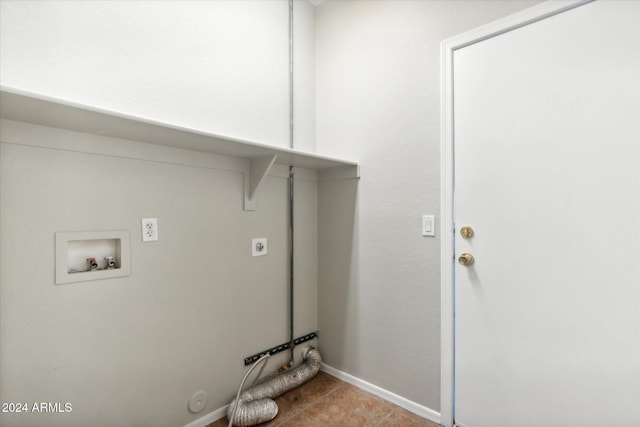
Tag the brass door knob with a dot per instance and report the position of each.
(466, 232)
(466, 259)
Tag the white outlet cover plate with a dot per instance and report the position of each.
(149, 229)
(259, 246)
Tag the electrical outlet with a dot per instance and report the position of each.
(149, 229)
(259, 246)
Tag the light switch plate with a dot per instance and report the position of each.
(259, 246)
(428, 225)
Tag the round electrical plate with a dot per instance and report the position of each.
(198, 401)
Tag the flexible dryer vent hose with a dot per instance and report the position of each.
(256, 404)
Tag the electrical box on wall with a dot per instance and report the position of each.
(92, 255)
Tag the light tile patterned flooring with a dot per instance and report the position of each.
(325, 401)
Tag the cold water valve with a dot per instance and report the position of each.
(111, 261)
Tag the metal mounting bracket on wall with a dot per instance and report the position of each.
(282, 347)
(255, 174)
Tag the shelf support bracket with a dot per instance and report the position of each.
(253, 177)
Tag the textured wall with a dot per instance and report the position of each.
(378, 71)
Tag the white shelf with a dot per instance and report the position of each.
(41, 110)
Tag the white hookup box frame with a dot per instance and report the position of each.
(70, 246)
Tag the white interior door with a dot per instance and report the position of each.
(547, 160)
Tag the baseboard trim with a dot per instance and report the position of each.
(407, 404)
(209, 418)
(402, 402)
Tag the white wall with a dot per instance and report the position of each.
(218, 66)
(223, 67)
(378, 101)
(304, 71)
(131, 351)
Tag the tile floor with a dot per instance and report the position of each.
(326, 401)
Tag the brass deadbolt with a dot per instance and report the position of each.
(466, 232)
(466, 259)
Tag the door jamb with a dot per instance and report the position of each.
(447, 261)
